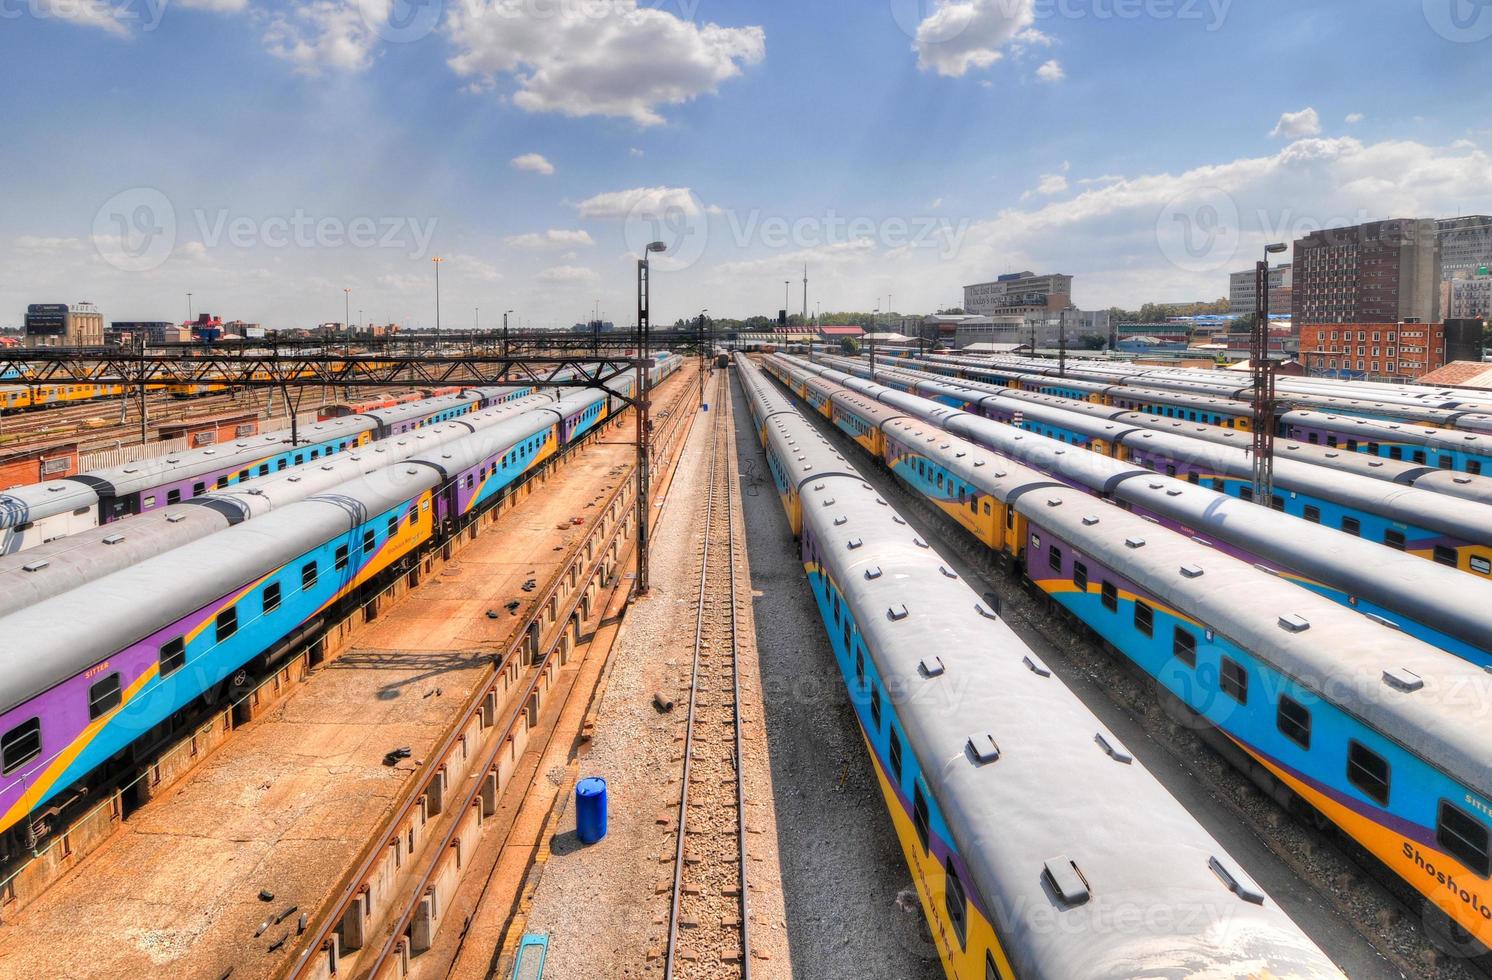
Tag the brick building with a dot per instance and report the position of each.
(1372, 351)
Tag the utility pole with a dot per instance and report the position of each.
(437, 260)
(805, 294)
(1062, 344)
(1263, 371)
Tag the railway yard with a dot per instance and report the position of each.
(925, 666)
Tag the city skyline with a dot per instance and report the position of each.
(267, 157)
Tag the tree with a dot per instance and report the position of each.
(1089, 341)
(849, 346)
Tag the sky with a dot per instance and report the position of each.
(284, 160)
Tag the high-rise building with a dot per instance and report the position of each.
(1465, 245)
(1382, 272)
(61, 325)
(1242, 298)
(1019, 293)
(1469, 299)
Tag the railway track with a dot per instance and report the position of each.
(709, 921)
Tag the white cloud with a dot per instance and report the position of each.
(1353, 118)
(1051, 71)
(215, 6)
(39, 245)
(534, 163)
(471, 267)
(960, 35)
(1294, 125)
(612, 59)
(567, 274)
(635, 152)
(1048, 185)
(320, 35)
(554, 238)
(640, 200)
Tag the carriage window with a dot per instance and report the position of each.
(875, 706)
(370, 540)
(103, 696)
(1313, 513)
(21, 744)
(954, 899)
(919, 815)
(1080, 576)
(1234, 681)
(1144, 618)
(1445, 555)
(991, 972)
(173, 656)
(1352, 526)
(1394, 539)
(860, 666)
(1464, 837)
(1294, 721)
(1368, 771)
(227, 623)
(173, 496)
(393, 526)
(1054, 559)
(308, 576)
(1110, 597)
(198, 489)
(1184, 647)
(895, 756)
(271, 597)
(341, 562)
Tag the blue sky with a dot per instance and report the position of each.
(268, 154)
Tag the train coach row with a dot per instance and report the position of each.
(1030, 829)
(1452, 529)
(1458, 442)
(40, 512)
(1444, 607)
(1378, 732)
(87, 675)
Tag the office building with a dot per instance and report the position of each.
(1382, 272)
(1019, 293)
(61, 325)
(1046, 329)
(1468, 299)
(1242, 296)
(1465, 245)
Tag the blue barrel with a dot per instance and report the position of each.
(590, 809)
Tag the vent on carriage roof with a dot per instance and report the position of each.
(1134, 542)
(1113, 748)
(35, 566)
(982, 748)
(1064, 878)
(1035, 666)
(1403, 679)
(1191, 571)
(854, 543)
(1292, 623)
(873, 572)
(931, 667)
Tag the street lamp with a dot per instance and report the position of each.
(505, 332)
(644, 425)
(189, 307)
(437, 260)
(347, 309)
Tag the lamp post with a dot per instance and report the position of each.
(644, 424)
(704, 355)
(506, 313)
(347, 309)
(189, 307)
(1262, 369)
(437, 260)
